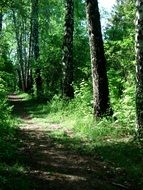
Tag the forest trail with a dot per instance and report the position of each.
(50, 165)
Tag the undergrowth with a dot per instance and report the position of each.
(8, 142)
(77, 115)
(112, 139)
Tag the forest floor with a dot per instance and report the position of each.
(45, 162)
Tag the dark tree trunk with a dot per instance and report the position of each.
(30, 57)
(35, 45)
(1, 17)
(19, 79)
(98, 61)
(139, 68)
(25, 57)
(67, 61)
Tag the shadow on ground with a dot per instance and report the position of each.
(50, 163)
(40, 161)
(22, 108)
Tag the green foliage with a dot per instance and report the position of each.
(77, 115)
(126, 105)
(109, 137)
(80, 106)
(6, 122)
(51, 24)
(6, 66)
(8, 147)
(4, 109)
(6, 85)
(119, 48)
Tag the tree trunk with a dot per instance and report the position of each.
(18, 34)
(98, 61)
(67, 60)
(139, 68)
(1, 17)
(35, 45)
(30, 56)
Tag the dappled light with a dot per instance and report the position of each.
(44, 159)
(71, 100)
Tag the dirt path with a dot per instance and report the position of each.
(50, 165)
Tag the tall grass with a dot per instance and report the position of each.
(111, 138)
(77, 115)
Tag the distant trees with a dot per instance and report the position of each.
(7, 74)
(26, 30)
(67, 59)
(119, 43)
(21, 29)
(139, 68)
(98, 61)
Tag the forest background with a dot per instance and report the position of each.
(34, 70)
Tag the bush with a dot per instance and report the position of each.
(4, 108)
